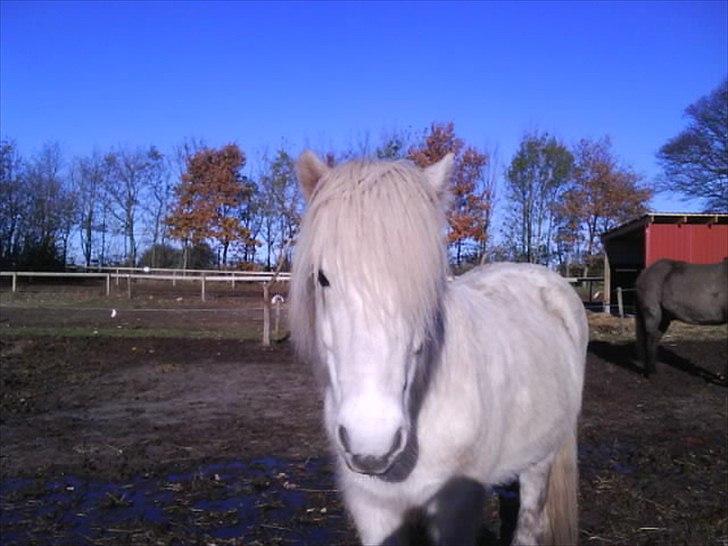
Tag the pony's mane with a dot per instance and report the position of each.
(377, 225)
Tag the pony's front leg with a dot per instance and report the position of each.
(532, 519)
(455, 513)
(376, 522)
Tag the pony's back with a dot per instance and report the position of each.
(533, 286)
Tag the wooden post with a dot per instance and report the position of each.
(117, 277)
(15, 281)
(203, 287)
(266, 315)
(233, 280)
(174, 278)
(277, 327)
(607, 298)
(620, 306)
(108, 285)
(128, 285)
(591, 291)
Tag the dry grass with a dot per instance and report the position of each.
(603, 327)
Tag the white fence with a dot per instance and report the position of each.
(173, 275)
(180, 272)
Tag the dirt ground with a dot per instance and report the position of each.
(140, 439)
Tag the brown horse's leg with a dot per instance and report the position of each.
(640, 335)
(656, 328)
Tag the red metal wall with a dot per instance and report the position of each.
(695, 243)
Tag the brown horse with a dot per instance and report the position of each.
(671, 290)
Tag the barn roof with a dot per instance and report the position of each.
(665, 218)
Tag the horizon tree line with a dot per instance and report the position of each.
(198, 206)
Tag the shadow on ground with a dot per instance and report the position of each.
(624, 356)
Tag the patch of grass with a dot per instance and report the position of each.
(604, 327)
(243, 334)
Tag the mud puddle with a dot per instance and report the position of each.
(263, 501)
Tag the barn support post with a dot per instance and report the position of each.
(266, 314)
(620, 305)
(607, 298)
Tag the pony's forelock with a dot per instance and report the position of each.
(379, 226)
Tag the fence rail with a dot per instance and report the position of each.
(203, 278)
(183, 272)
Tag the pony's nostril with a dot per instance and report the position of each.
(344, 438)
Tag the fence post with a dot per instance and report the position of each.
(174, 278)
(15, 281)
(266, 315)
(203, 287)
(117, 276)
(607, 298)
(591, 291)
(108, 284)
(620, 306)
(233, 280)
(277, 327)
(128, 285)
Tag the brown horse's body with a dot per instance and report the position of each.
(671, 290)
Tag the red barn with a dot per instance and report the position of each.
(629, 248)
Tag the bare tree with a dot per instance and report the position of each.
(394, 145)
(130, 175)
(282, 206)
(13, 201)
(696, 160)
(88, 176)
(49, 210)
(486, 191)
(158, 204)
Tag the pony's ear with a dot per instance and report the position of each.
(309, 170)
(439, 174)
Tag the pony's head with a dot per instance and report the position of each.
(368, 275)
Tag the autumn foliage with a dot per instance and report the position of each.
(472, 191)
(602, 194)
(207, 199)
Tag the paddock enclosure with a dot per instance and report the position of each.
(169, 423)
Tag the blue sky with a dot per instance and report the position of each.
(94, 75)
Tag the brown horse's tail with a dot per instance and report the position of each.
(562, 503)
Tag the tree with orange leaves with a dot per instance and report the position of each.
(211, 190)
(472, 190)
(601, 195)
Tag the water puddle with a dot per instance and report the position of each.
(264, 501)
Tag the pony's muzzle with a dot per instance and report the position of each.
(372, 464)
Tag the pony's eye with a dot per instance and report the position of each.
(323, 281)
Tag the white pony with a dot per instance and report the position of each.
(434, 389)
